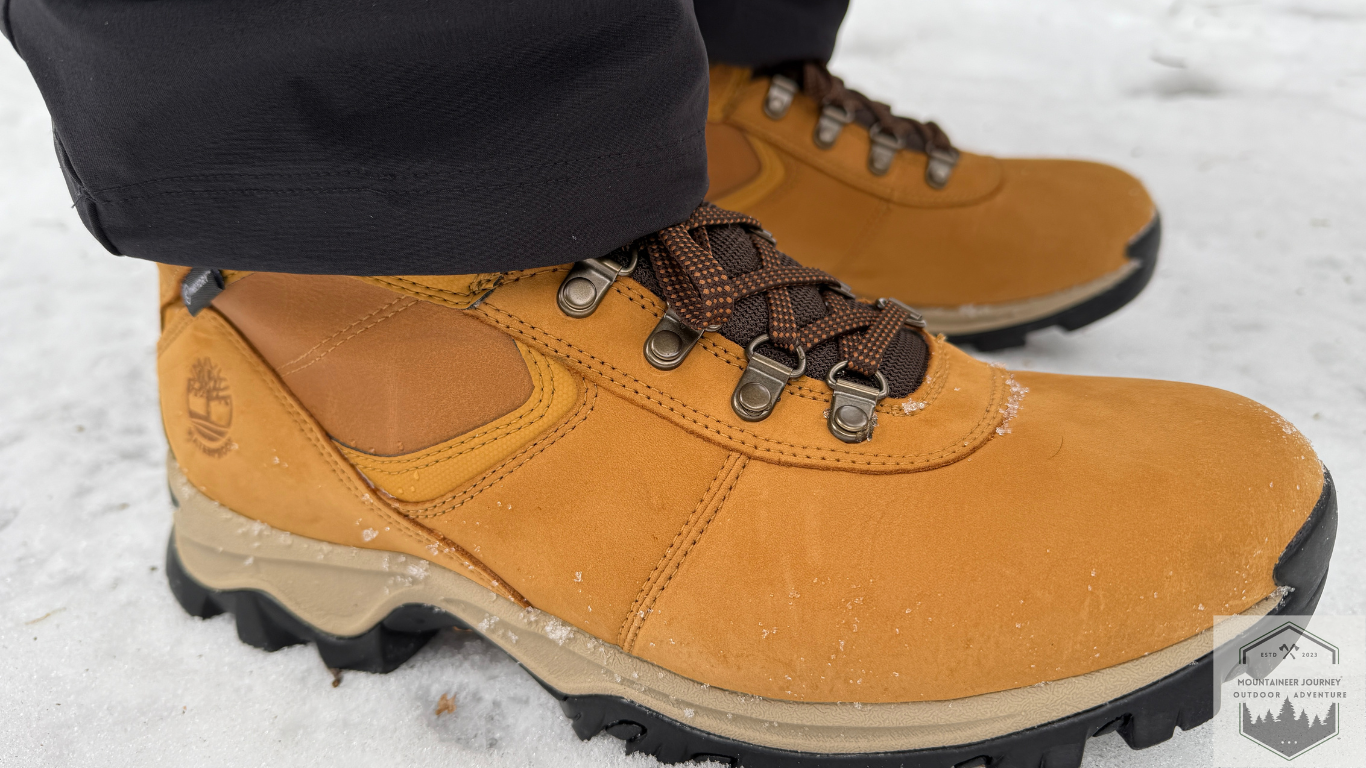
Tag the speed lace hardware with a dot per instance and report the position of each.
(763, 381)
(882, 149)
(940, 166)
(913, 317)
(888, 134)
(700, 297)
(781, 92)
(587, 282)
(669, 343)
(853, 406)
(831, 123)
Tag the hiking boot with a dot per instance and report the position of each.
(720, 509)
(988, 249)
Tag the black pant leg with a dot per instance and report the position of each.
(757, 33)
(398, 137)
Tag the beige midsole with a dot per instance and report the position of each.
(977, 318)
(345, 591)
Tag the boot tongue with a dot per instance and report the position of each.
(904, 363)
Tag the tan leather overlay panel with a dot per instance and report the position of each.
(771, 176)
(384, 373)
(731, 161)
(447, 466)
(819, 216)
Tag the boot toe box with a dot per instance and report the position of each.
(1050, 227)
(1069, 221)
(1110, 519)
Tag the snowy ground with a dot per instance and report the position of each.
(1247, 119)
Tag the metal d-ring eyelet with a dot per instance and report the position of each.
(762, 383)
(669, 343)
(831, 123)
(913, 316)
(882, 149)
(853, 414)
(940, 165)
(781, 92)
(587, 282)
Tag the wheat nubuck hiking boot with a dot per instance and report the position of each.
(988, 249)
(815, 535)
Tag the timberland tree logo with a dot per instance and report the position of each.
(209, 404)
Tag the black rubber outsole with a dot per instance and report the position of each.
(1143, 717)
(1143, 249)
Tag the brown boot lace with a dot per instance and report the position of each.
(841, 105)
(702, 295)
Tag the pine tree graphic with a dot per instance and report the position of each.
(1288, 732)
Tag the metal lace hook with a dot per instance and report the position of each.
(852, 413)
(763, 381)
(586, 284)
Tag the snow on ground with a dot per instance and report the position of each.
(1247, 119)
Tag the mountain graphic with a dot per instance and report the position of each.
(1287, 732)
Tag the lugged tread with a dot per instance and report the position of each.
(264, 623)
(1063, 756)
(1143, 717)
